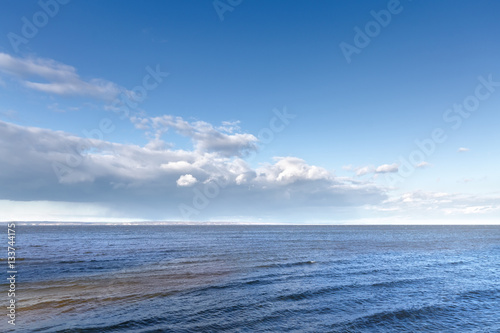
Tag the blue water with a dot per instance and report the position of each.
(258, 279)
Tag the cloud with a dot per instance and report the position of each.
(45, 165)
(387, 168)
(229, 126)
(55, 107)
(463, 150)
(55, 171)
(364, 170)
(186, 180)
(423, 164)
(55, 78)
(288, 170)
(370, 169)
(441, 204)
(206, 138)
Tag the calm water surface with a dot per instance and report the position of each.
(120, 278)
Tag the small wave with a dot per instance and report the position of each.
(385, 317)
(71, 262)
(328, 290)
(292, 264)
(396, 283)
(128, 325)
(368, 271)
(480, 294)
(195, 261)
(254, 282)
(237, 285)
(310, 293)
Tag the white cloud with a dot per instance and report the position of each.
(423, 164)
(57, 78)
(387, 168)
(127, 178)
(476, 209)
(441, 205)
(288, 170)
(186, 180)
(370, 169)
(463, 150)
(364, 170)
(100, 178)
(206, 138)
(229, 126)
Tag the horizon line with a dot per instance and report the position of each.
(236, 223)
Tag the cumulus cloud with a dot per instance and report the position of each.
(205, 136)
(41, 165)
(45, 165)
(186, 180)
(288, 170)
(52, 77)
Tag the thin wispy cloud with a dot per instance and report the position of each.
(370, 169)
(52, 77)
(435, 206)
(423, 164)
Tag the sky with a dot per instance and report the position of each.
(338, 112)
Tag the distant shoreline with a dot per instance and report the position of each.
(178, 223)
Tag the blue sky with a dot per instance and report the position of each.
(250, 111)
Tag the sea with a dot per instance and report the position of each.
(254, 278)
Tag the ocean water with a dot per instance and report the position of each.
(119, 278)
